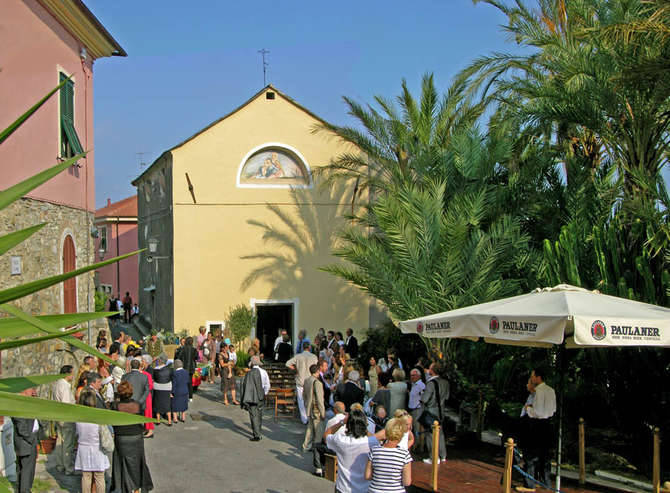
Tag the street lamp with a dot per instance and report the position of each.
(153, 249)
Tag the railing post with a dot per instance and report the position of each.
(582, 453)
(509, 460)
(656, 468)
(436, 452)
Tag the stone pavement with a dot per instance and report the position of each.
(212, 452)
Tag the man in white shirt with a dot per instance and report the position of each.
(540, 412)
(414, 403)
(349, 439)
(301, 363)
(278, 341)
(65, 432)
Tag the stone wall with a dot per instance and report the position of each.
(41, 256)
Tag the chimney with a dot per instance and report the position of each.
(109, 202)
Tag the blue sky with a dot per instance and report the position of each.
(190, 63)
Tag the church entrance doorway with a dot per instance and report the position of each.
(270, 319)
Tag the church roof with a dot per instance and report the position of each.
(243, 105)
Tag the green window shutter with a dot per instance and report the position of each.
(71, 142)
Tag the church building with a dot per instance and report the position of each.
(234, 215)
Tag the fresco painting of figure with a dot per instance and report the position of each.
(272, 165)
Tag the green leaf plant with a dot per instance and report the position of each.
(22, 329)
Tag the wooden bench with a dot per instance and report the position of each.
(330, 467)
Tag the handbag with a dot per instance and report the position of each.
(106, 439)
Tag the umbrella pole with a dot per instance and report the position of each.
(558, 452)
(560, 363)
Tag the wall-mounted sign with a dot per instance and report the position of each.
(16, 265)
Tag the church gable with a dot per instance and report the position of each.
(267, 143)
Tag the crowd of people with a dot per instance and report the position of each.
(142, 381)
(372, 417)
(369, 416)
(125, 306)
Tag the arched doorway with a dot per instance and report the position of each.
(69, 286)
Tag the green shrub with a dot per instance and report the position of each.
(100, 301)
(240, 321)
(242, 359)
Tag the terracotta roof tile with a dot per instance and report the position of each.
(123, 208)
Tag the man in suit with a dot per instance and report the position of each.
(94, 383)
(323, 369)
(255, 386)
(139, 381)
(316, 411)
(301, 363)
(351, 344)
(25, 447)
(332, 342)
(434, 400)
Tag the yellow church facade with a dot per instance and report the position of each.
(234, 215)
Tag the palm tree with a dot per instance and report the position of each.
(579, 87)
(398, 143)
(439, 244)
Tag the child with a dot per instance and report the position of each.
(407, 440)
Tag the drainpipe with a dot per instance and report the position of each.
(118, 266)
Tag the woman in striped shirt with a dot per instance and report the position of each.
(389, 467)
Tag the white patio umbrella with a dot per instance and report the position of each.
(552, 316)
(549, 316)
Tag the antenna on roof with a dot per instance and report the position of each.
(140, 158)
(264, 52)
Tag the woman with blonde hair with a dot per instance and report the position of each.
(389, 466)
(407, 440)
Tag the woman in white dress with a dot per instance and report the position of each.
(90, 458)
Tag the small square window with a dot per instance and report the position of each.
(269, 95)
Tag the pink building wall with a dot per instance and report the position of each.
(35, 48)
(128, 270)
